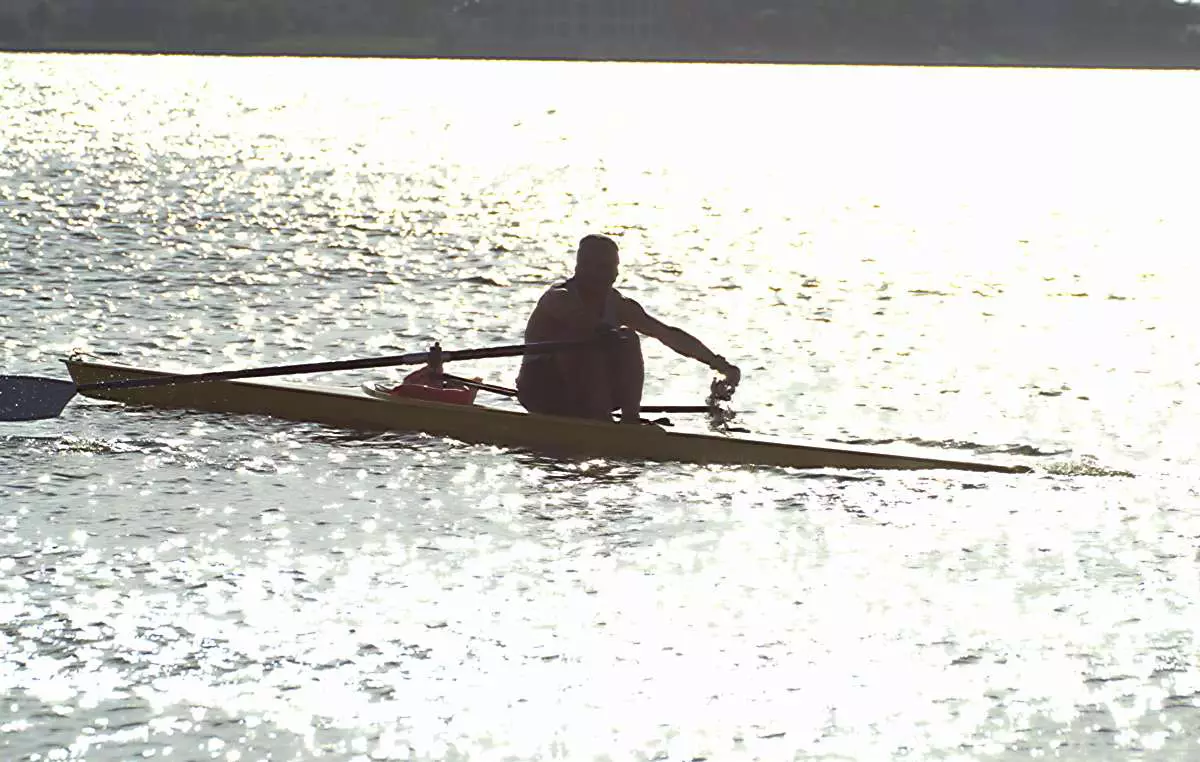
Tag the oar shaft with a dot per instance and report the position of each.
(412, 358)
(481, 386)
(507, 392)
(676, 409)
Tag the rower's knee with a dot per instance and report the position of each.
(630, 348)
(629, 371)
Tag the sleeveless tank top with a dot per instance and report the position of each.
(608, 317)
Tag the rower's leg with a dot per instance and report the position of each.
(628, 378)
(541, 389)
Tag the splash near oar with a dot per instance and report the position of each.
(720, 413)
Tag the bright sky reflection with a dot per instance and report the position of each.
(964, 260)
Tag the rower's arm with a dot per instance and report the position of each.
(676, 339)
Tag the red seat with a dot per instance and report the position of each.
(422, 384)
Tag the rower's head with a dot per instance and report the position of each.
(596, 262)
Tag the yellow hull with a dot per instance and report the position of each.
(478, 424)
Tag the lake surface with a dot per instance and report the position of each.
(993, 264)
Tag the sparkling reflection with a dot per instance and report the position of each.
(890, 270)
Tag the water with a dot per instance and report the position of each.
(983, 263)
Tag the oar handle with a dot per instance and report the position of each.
(412, 358)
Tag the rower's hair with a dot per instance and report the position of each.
(594, 242)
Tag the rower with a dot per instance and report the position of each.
(594, 383)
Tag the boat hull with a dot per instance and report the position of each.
(478, 424)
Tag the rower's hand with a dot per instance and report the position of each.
(733, 375)
(723, 388)
(731, 372)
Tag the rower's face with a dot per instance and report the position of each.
(598, 269)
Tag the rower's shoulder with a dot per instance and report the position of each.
(558, 291)
(626, 302)
(554, 298)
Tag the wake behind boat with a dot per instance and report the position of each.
(372, 408)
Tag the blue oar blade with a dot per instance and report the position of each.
(29, 398)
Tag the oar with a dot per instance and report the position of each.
(32, 398)
(507, 392)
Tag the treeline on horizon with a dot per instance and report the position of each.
(1065, 31)
(1073, 31)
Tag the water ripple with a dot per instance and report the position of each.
(207, 586)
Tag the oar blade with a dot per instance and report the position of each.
(30, 398)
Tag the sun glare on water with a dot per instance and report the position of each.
(970, 263)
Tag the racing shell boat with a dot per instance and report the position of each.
(374, 408)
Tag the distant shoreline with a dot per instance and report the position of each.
(422, 49)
